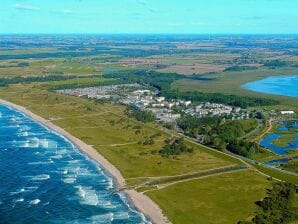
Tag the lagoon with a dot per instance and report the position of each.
(277, 85)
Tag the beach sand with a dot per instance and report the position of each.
(142, 202)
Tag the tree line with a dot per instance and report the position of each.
(163, 81)
(276, 207)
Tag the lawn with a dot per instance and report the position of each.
(225, 198)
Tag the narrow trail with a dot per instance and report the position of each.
(259, 127)
(268, 129)
(80, 116)
(162, 186)
(164, 181)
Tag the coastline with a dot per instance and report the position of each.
(142, 202)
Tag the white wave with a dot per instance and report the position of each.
(62, 151)
(74, 161)
(111, 183)
(57, 157)
(24, 128)
(125, 200)
(121, 215)
(104, 218)
(17, 192)
(19, 200)
(69, 179)
(107, 204)
(35, 202)
(41, 177)
(41, 163)
(24, 134)
(88, 195)
(45, 143)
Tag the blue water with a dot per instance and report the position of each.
(45, 179)
(279, 161)
(267, 142)
(278, 85)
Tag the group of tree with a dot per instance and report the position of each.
(7, 81)
(276, 207)
(140, 115)
(221, 134)
(238, 68)
(174, 147)
(243, 148)
(163, 82)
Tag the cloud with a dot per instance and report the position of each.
(142, 2)
(197, 23)
(153, 10)
(67, 11)
(175, 24)
(253, 17)
(27, 7)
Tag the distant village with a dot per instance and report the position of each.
(165, 110)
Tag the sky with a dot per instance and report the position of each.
(149, 16)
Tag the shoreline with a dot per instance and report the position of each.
(142, 202)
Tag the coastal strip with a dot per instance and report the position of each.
(142, 202)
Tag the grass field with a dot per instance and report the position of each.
(226, 198)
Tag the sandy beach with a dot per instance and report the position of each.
(142, 202)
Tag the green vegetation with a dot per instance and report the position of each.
(243, 148)
(175, 147)
(140, 115)
(240, 68)
(222, 135)
(276, 207)
(81, 82)
(163, 81)
(292, 165)
(5, 81)
(225, 198)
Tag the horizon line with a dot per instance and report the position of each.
(263, 34)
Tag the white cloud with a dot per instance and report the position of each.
(142, 2)
(197, 23)
(26, 7)
(175, 24)
(67, 11)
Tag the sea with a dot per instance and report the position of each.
(44, 178)
(277, 85)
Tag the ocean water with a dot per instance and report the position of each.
(278, 85)
(44, 178)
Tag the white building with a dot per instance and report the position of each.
(160, 99)
(287, 112)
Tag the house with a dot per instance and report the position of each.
(160, 99)
(287, 112)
